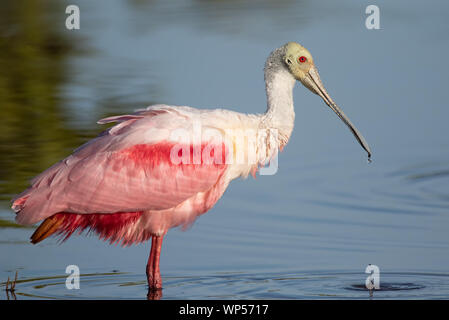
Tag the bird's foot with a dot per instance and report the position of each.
(154, 283)
(154, 288)
(154, 293)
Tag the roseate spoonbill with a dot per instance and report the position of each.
(125, 185)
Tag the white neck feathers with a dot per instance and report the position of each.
(280, 114)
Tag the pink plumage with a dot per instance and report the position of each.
(107, 226)
(125, 186)
(107, 175)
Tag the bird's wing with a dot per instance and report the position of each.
(128, 168)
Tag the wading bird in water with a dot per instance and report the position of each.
(125, 185)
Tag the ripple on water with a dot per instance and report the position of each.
(419, 189)
(288, 285)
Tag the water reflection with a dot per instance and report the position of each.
(33, 56)
(9, 224)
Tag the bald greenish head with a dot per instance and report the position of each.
(298, 60)
(301, 66)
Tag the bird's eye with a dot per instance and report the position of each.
(302, 59)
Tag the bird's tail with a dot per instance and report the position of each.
(46, 229)
(109, 226)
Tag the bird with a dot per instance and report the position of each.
(164, 166)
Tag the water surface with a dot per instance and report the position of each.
(310, 230)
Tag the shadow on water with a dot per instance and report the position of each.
(237, 285)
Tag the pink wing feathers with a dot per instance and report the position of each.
(126, 169)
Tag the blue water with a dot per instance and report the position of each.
(310, 230)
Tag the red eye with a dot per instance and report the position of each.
(302, 59)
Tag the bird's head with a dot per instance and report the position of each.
(298, 60)
(301, 66)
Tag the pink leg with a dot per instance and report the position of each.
(153, 271)
(150, 263)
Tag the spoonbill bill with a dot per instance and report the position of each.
(149, 172)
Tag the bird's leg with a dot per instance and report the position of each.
(151, 263)
(153, 271)
(157, 273)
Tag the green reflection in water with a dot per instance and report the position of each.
(33, 133)
(9, 224)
